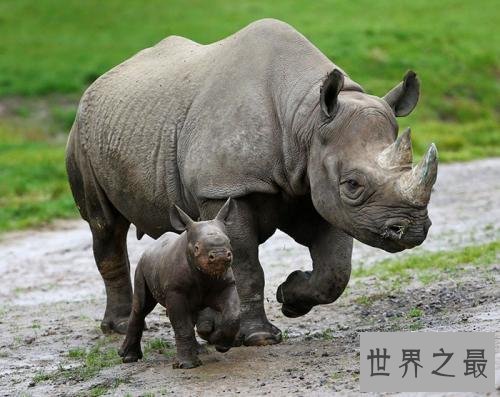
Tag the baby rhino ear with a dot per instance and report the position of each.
(179, 219)
(223, 213)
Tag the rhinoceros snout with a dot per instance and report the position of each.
(427, 225)
(395, 229)
(405, 234)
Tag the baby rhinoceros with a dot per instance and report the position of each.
(186, 273)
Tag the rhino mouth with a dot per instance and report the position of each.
(398, 238)
(395, 235)
(392, 246)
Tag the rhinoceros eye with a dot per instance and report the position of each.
(352, 183)
(352, 188)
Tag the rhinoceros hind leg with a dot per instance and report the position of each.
(109, 232)
(110, 252)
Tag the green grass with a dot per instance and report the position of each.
(415, 312)
(97, 391)
(93, 360)
(364, 300)
(90, 362)
(433, 265)
(159, 346)
(37, 189)
(393, 277)
(41, 377)
(52, 47)
(327, 334)
(47, 47)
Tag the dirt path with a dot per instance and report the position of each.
(52, 299)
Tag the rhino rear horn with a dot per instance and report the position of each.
(329, 92)
(399, 153)
(404, 97)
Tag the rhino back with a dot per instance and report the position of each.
(233, 141)
(240, 136)
(180, 121)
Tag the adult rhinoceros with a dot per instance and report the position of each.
(261, 116)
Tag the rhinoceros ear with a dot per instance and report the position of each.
(404, 97)
(329, 92)
(223, 213)
(179, 219)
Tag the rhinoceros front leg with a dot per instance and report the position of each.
(255, 328)
(331, 251)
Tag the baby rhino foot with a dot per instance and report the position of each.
(130, 353)
(187, 364)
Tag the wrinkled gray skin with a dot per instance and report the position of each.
(186, 273)
(261, 116)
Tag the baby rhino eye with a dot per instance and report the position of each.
(196, 249)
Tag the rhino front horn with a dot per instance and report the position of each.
(416, 185)
(399, 153)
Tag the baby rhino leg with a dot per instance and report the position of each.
(228, 304)
(143, 303)
(181, 319)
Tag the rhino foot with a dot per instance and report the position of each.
(255, 330)
(293, 311)
(261, 334)
(130, 353)
(292, 293)
(117, 325)
(187, 363)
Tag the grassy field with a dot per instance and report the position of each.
(36, 189)
(432, 266)
(54, 49)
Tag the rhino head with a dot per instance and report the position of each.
(360, 171)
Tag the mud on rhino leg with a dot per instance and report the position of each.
(331, 251)
(255, 328)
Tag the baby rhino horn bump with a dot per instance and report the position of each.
(417, 184)
(399, 153)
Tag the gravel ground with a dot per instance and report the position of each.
(52, 299)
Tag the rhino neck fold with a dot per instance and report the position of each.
(299, 116)
(296, 110)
